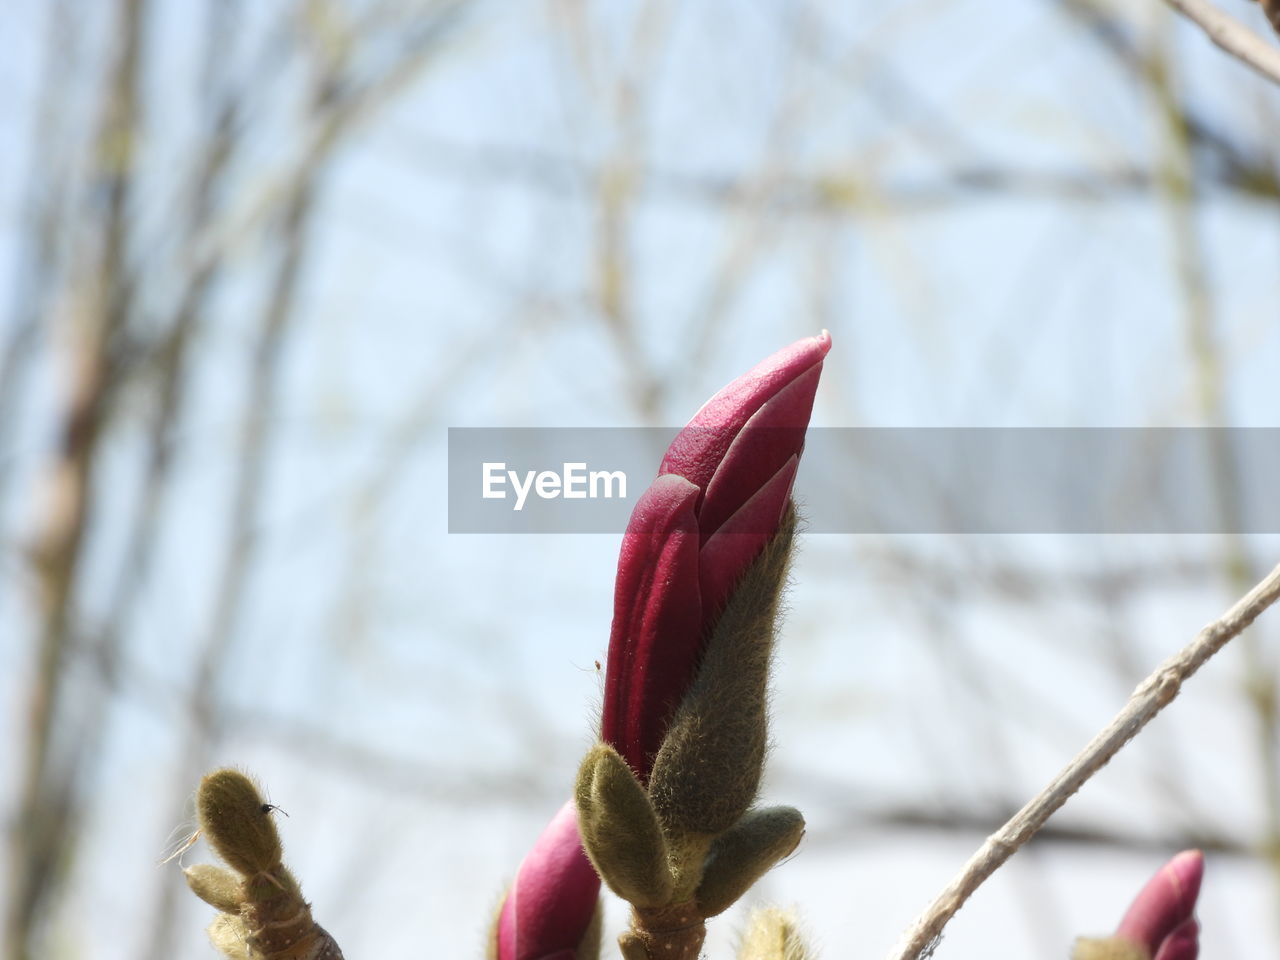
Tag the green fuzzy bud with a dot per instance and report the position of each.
(772, 935)
(237, 822)
(743, 854)
(216, 886)
(1107, 948)
(264, 915)
(708, 769)
(620, 831)
(230, 937)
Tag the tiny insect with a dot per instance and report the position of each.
(597, 663)
(268, 807)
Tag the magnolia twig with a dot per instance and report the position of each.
(1151, 696)
(1232, 36)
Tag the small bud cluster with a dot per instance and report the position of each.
(263, 915)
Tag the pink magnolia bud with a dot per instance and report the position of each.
(550, 906)
(1160, 918)
(723, 486)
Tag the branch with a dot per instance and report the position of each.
(1232, 36)
(1151, 696)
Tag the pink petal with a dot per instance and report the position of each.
(726, 556)
(1166, 902)
(552, 901)
(697, 450)
(655, 641)
(1183, 943)
(772, 436)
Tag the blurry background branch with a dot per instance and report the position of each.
(1232, 36)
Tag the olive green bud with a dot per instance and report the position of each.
(237, 822)
(216, 886)
(708, 768)
(744, 853)
(619, 829)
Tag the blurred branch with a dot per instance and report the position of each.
(93, 718)
(748, 234)
(1251, 171)
(616, 185)
(822, 194)
(337, 104)
(1232, 36)
(347, 759)
(1152, 696)
(985, 821)
(472, 787)
(1180, 195)
(251, 457)
(98, 317)
(349, 104)
(1023, 583)
(38, 236)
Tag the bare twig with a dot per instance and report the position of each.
(1232, 36)
(1236, 161)
(1151, 696)
(1181, 198)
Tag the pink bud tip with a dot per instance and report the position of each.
(553, 898)
(776, 398)
(720, 496)
(1160, 917)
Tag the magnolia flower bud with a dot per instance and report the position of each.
(720, 496)
(1159, 924)
(550, 912)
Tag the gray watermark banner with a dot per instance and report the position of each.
(894, 480)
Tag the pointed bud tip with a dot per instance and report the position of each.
(1188, 867)
(1165, 904)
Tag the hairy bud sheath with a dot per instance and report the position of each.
(772, 935)
(746, 852)
(620, 830)
(708, 770)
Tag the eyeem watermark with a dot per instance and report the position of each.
(574, 482)
(893, 480)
